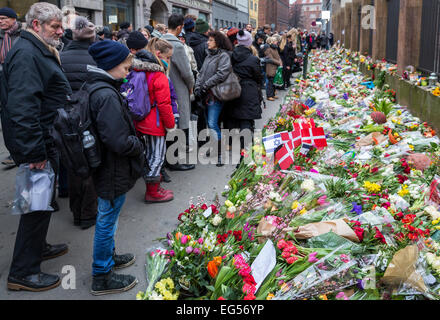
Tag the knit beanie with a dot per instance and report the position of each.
(136, 40)
(84, 30)
(189, 24)
(244, 38)
(108, 54)
(8, 12)
(149, 28)
(201, 26)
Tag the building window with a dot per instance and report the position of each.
(216, 24)
(203, 16)
(21, 7)
(117, 12)
(179, 10)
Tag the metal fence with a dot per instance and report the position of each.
(430, 37)
(393, 30)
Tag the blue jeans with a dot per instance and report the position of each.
(213, 110)
(104, 243)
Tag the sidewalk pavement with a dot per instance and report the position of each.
(139, 225)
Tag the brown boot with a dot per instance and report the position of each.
(155, 194)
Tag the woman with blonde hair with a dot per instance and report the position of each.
(145, 32)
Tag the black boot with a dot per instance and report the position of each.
(164, 175)
(123, 260)
(219, 157)
(53, 251)
(87, 223)
(181, 167)
(112, 283)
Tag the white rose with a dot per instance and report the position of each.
(232, 209)
(430, 257)
(308, 185)
(436, 264)
(432, 212)
(274, 196)
(216, 220)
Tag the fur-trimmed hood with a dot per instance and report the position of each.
(145, 61)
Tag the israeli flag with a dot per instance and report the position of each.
(272, 142)
(310, 102)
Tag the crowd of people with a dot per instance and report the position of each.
(177, 67)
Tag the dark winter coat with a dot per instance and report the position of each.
(288, 55)
(121, 150)
(32, 89)
(199, 43)
(74, 60)
(14, 37)
(215, 69)
(247, 67)
(161, 116)
(123, 34)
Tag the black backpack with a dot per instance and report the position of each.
(69, 126)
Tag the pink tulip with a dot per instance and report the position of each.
(312, 257)
(200, 241)
(184, 239)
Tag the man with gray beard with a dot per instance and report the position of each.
(33, 87)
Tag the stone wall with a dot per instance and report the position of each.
(422, 103)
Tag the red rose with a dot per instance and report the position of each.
(204, 207)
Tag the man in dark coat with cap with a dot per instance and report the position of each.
(27, 114)
(9, 34)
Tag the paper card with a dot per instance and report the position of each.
(264, 263)
(112, 19)
(246, 255)
(207, 212)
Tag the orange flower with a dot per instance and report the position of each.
(217, 260)
(178, 235)
(391, 137)
(212, 269)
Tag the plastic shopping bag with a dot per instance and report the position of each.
(33, 189)
(278, 80)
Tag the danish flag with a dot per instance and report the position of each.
(286, 155)
(314, 136)
(294, 136)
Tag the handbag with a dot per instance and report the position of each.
(229, 89)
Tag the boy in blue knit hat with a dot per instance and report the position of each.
(121, 161)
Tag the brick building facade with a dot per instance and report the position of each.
(311, 10)
(275, 13)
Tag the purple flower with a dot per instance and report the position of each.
(189, 249)
(356, 208)
(196, 251)
(170, 243)
(360, 284)
(345, 96)
(172, 253)
(169, 236)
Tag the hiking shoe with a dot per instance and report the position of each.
(112, 283)
(123, 260)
